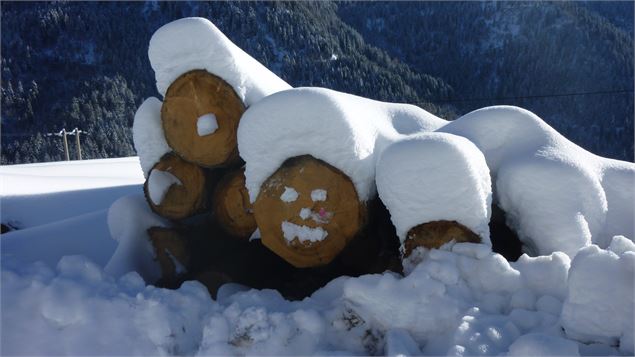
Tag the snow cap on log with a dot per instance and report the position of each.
(147, 134)
(195, 43)
(435, 177)
(558, 196)
(343, 130)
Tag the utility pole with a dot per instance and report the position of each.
(63, 133)
(68, 157)
(79, 147)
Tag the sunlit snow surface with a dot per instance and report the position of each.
(461, 301)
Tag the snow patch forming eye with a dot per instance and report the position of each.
(289, 194)
(318, 195)
(206, 124)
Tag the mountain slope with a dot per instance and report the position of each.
(64, 67)
(527, 54)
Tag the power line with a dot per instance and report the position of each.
(555, 95)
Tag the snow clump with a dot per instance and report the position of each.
(346, 131)
(557, 196)
(206, 124)
(147, 134)
(435, 176)
(195, 43)
(158, 184)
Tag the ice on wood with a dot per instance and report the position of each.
(195, 43)
(206, 124)
(291, 231)
(346, 131)
(289, 195)
(147, 134)
(159, 183)
(558, 196)
(433, 177)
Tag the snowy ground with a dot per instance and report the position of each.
(465, 300)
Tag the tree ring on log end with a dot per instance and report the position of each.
(200, 116)
(186, 194)
(308, 211)
(231, 205)
(435, 234)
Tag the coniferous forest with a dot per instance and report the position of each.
(85, 64)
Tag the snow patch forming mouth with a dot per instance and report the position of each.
(303, 233)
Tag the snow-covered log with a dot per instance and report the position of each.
(308, 208)
(200, 117)
(437, 188)
(171, 253)
(308, 211)
(231, 206)
(207, 82)
(557, 196)
(176, 189)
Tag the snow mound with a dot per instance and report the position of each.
(128, 220)
(195, 43)
(599, 303)
(344, 130)
(435, 176)
(557, 196)
(464, 300)
(147, 134)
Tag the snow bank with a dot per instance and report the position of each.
(77, 309)
(147, 134)
(344, 130)
(558, 196)
(435, 176)
(599, 303)
(128, 221)
(464, 300)
(195, 43)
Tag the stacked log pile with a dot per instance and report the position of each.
(306, 189)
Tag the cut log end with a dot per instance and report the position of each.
(308, 211)
(172, 253)
(231, 205)
(200, 116)
(435, 234)
(176, 189)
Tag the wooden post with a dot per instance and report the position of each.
(68, 158)
(79, 148)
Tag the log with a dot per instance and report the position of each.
(172, 252)
(308, 211)
(176, 189)
(231, 206)
(435, 234)
(200, 116)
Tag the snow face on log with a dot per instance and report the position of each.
(433, 177)
(195, 43)
(558, 196)
(346, 131)
(147, 134)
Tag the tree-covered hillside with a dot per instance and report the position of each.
(565, 61)
(85, 65)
